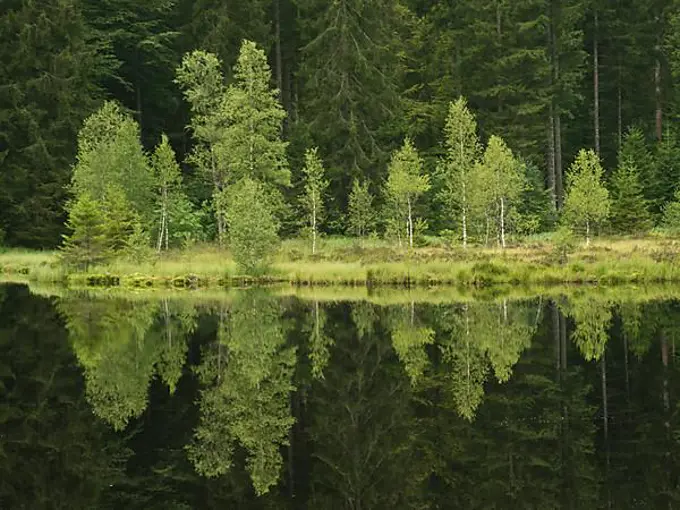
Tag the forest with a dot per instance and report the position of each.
(130, 126)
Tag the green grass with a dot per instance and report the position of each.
(342, 261)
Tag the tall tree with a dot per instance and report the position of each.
(348, 97)
(405, 183)
(252, 145)
(462, 150)
(50, 80)
(200, 77)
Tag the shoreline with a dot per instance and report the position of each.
(605, 262)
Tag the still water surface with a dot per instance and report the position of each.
(248, 400)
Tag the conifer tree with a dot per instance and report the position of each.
(455, 170)
(629, 211)
(87, 243)
(587, 202)
(315, 187)
(405, 183)
(361, 213)
(634, 152)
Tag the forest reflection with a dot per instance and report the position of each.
(180, 401)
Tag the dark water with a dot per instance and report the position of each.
(252, 401)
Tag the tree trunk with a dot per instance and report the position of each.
(279, 58)
(659, 106)
(502, 223)
(587, 232)
(551, 156)
(314, 226)
(464, 226)
(558, 160)
(596, 81)
(410, 224)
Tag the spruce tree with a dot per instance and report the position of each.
(629, 211)
(587, 202)
(87, 243)
(361, 220)
(635, 152)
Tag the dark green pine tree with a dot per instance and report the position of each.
(629, 210)
(505, 70)
(349, 100)
(144, 41)
(635, 152)
(667, 167)
(49, 82)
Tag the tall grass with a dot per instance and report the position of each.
(371, 263)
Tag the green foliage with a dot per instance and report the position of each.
(315, 188)
(252, 142)
(456, 168)
(110, 156)
(176, 219)
(587, 203)
(405, 184)
(138, 245)
(499, 182)
(53, 71)
(247, 377)
(87, 244)
(253, 230)
(671, 215)
(362, 217)
(564, 243)
(635, 154)
(629, 211)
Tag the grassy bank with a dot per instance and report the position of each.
(347, 262)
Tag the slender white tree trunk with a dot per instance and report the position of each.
(464, 224)
(502, 222)
(587, 232)
(314, 226)
(164, 219)
(410, 224)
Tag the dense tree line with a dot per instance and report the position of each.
(543, 80)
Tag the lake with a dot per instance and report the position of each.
(394, 400)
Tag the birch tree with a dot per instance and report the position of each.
(587, 202)
(201, 80)
(315, 187)
(252, 146)
(455, 168)
(169, 187)
(505, 178)
(405, 183)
